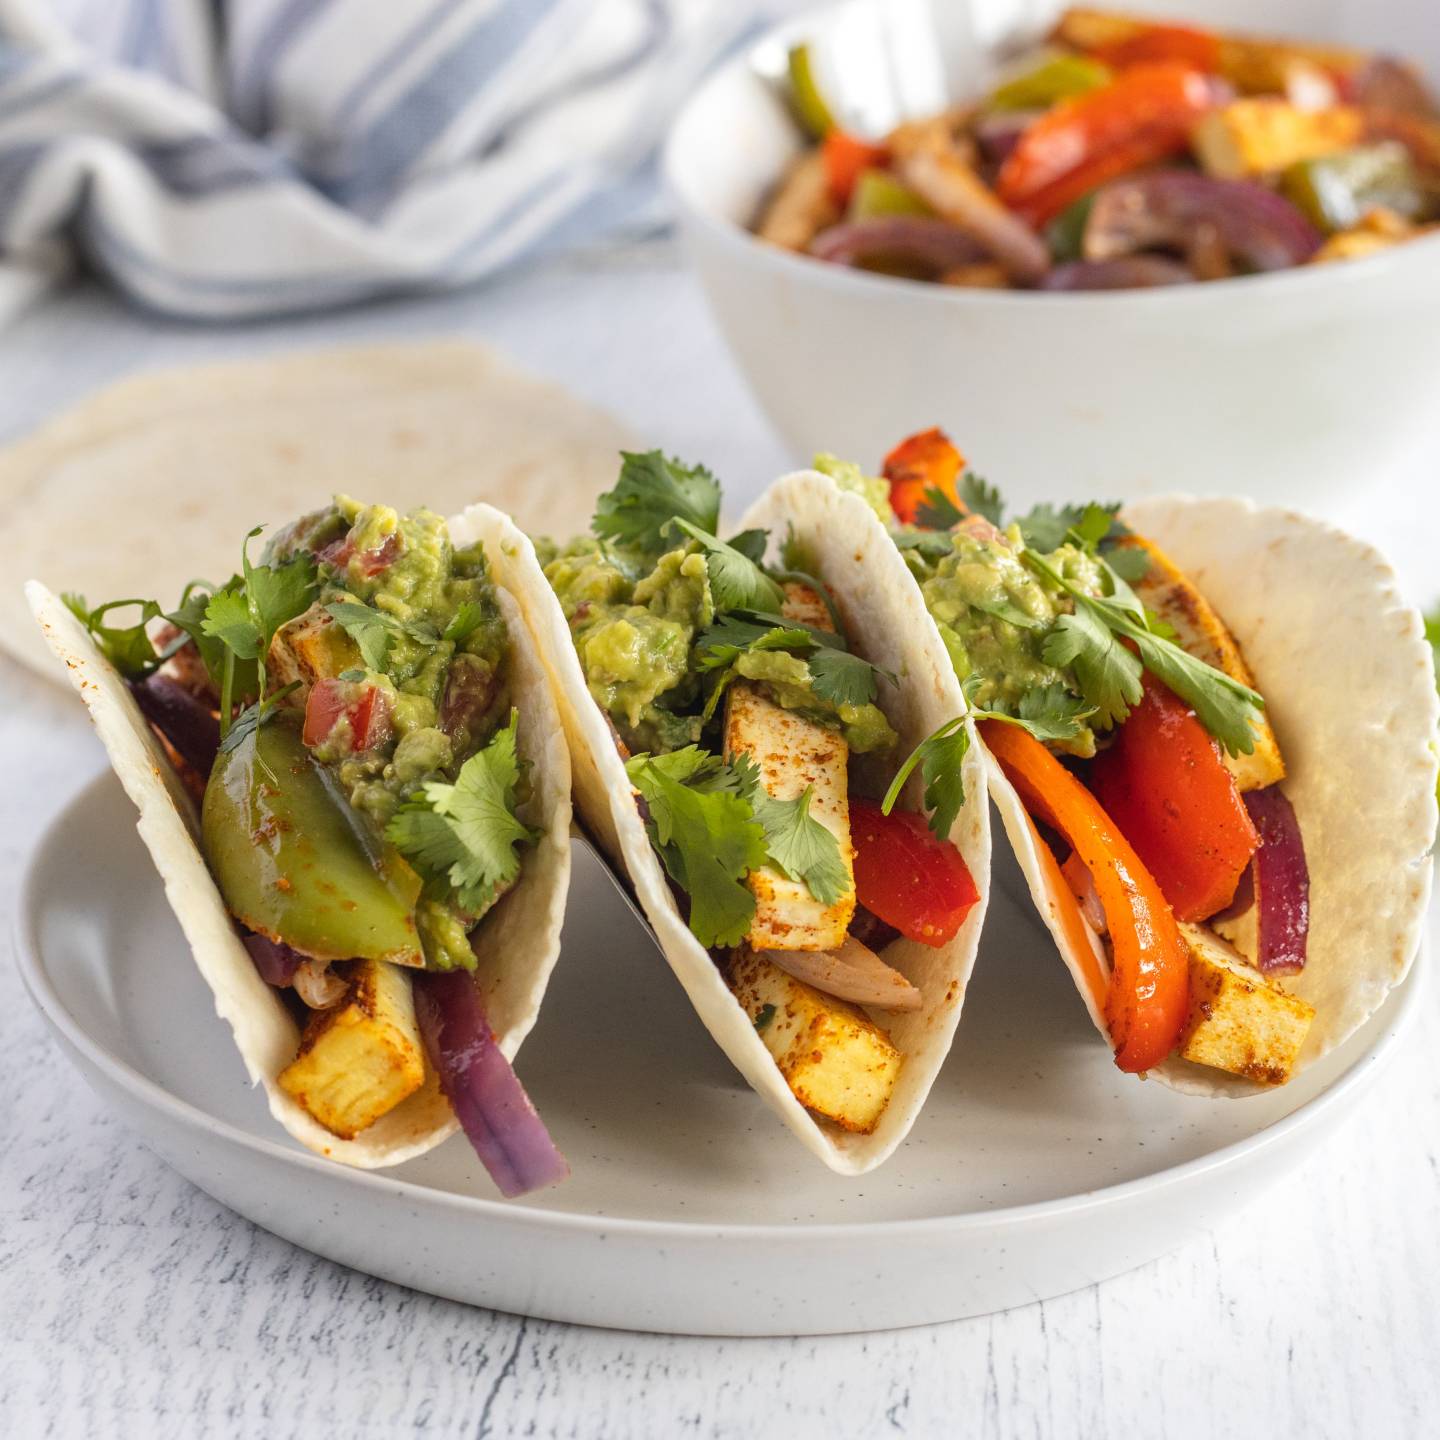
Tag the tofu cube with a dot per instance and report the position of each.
(793, 752)
(1264, 134)
(311, 647)
(835, 1059)
(359, 1060)
(1200, 632)
(1238, 1020)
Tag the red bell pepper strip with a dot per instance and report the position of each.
(1145, 115)
(924, 461)
(1158, 43)
(907, 877)
(844, 157)
(1164, 784)
(1149, 994)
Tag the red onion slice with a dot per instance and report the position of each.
(488, 1099)
(1281, 881)
(276, 961)
(1162, 209)
(931, 242)
(1127, 272)
(187, 723)
(854, 972)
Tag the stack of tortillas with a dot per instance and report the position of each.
(149, 484)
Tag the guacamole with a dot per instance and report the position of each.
(635, 624)
(994, 614)
(426, 654)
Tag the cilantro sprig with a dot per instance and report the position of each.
(463, 838)
(736, 580)
(1095, 642)
(244, 617)
(651, 492)
(127, 647)
(707, 836)
(712, 823)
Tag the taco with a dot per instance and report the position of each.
(349, 772)
(734, 711)
(1211, 728)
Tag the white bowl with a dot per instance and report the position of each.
(1288, 387)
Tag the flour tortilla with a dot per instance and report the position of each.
(150, 482)
(1349, 686)
(886, 621)
(518, 943)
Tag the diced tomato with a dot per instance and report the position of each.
(924, 461)
(1146, 113)
(907, 877)
(844, 157)
(366, 707)
(1183, 43)
(1149, 992)
(1164, 783)
(339, 554)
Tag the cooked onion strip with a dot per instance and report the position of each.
(853, 972)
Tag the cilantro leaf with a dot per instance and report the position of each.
(938, 511)
(736, 581)
(931, 544)
(982, 498)
(189, 616)
(843, 678)
(651, 492)
(228, 620)
(276, 594)
(1045, 527)
(245, 724)
(709, 841)
(1129, 562)
(1107, 673)
(127, 647)
(764, 1016)
(1051, 712)
(724, 642)
(369, 628)
(941, 758)
(463, 837)
(799, 846)
(466, 620)
(752, 544)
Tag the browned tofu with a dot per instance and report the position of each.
(358, 1061)
(311, 647)
(1239, 1021)
(793, 752)
(835, 1059)
(1200, 632)
(1264, 134)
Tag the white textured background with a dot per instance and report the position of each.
(133, 1305)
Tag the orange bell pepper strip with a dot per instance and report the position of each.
(1164, 784)
(844, 157)
(1149, 994)
(1146, 114)
(1157, 43)
(924, 461)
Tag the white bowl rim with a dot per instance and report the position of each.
(25, 938)
(1416, 254)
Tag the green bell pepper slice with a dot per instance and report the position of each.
(810, 105)
(294, 861)
(1057, 77)
(1336, 191)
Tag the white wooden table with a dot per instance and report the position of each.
(132, 1304)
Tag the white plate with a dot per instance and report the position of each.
(1036, 1168)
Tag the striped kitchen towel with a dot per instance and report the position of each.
(231, 158)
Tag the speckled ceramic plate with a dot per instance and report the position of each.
(1036, 1167)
